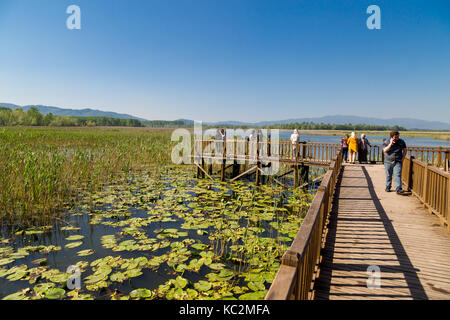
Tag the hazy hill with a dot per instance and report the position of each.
(72, 112)
(408, 123)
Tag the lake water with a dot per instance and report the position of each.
(374, 140)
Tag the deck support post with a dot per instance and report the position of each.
(222, 172)
(236, 168)
(295, 175)
(258, 173)
(203, 167)
(304, 173)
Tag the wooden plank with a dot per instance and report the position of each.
(421, 269)
(244, 173)
(204, 171)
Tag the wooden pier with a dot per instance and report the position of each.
(353, 227)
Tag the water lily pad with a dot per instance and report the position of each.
(43, 287)
(30, 232)
(55, 293)
(94, 278)
(133, 273)
(202, 285)
(141, 293)
(181, 282)
(97, 286)
(69, 228)
(216, 266)
(192, 293)
(5, 261)
(41, 262)
(84, 253)
(256, 286)
(61, 277)
(74, 237)
(19, 274)
(74, 244)
(118, 276)
(199, 246)
(256, 295)
(16, 296)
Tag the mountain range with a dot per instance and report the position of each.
(72, 112)
(408, 123)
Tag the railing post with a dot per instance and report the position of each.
(410, 173)
(447, 160)
(425, 184)
(439, 158)
(447, 214)
(292, 259)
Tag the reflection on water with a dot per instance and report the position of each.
(374, 140)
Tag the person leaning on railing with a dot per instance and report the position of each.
(394, 154)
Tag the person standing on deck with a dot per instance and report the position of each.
(394, 154)
(345, 147)
(363, 149)
(220, 140)
(295, 139)
(353, 147)
(252, 148)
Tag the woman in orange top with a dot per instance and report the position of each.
(353, 147)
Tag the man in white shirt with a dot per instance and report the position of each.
(295, 138)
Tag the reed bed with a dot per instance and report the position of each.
(43, 169)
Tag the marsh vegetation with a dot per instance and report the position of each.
(109, 202)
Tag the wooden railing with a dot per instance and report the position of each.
(430, 184)
(299, 264)
(437, 156)
(284, 150)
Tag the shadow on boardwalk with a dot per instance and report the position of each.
(360, 235)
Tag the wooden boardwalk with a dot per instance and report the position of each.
(369, 227)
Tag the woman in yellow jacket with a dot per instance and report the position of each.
(352, 147)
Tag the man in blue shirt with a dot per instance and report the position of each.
(394, 153)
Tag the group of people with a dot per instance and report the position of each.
(352, 146)
(394, 150)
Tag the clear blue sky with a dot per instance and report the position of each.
(246, 60)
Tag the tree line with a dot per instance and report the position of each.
(32, 117)
(324, 126)
(331, 126)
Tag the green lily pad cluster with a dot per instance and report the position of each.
(230, 236)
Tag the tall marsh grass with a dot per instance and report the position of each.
(42, 169)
